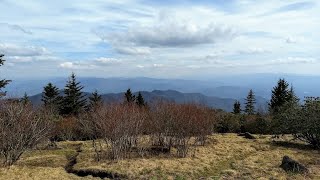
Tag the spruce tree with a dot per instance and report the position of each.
(293, 98)
(140, 101)
(237, 107)
(95, 100)
(3, 82)
(74, 100)
(50, 96)
(281, 94)
(250, 103)
(129, 97)
(25, 99)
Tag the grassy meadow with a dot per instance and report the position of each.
(225, 156)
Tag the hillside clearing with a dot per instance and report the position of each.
(223, 157)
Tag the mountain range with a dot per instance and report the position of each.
(225, 104)
(218, 91)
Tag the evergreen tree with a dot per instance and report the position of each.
(50, 96)
(250, 103)
(95, 100)
(281, 94)
(3, 82)
(74, 100)
(140, 101)
(292, 96)
(237, 107)
(25, 99)
(129, 97)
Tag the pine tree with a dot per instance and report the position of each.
(74, 100)
(250, 103)
(25, 99)
(3, 82)
(50, 96)
(129, 97)
(292, 97)
(237, 107)
(280, 96)
(95, 100)
(140, 101)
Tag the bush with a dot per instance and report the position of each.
(21, 128)
(228, 123)
(173, 125)
(256, 124)
(301, 121)
(67, 129)
(118, 125)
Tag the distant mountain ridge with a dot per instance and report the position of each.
(225, 104)
(234, 87)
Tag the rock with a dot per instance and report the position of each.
(291, 165)
(248, 135)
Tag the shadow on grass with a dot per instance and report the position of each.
(291, 145)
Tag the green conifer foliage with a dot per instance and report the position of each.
(250, 103)
(74, 100)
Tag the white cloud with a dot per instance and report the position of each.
(16, 27)
(294, 40)
(106, 61)
(293, 60)
(67, 65)
(173, 33)
(158, 65)
(77, 66)
(90, 64)
(16, 50)
(142, 37)
(255, 50)
(123, 49)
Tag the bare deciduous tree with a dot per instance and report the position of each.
(119, 126)
(21, 128)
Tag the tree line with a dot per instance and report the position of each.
(285, 115)
(73, 101)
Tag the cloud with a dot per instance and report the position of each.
(132, 50)
(76, 66)
(90, 64)
(16, 50)
(291, 7)
(173, 37)
(293, 60)
(255, 50)
(107, 61)
(16, 28)
(168, 31)
(296, 6)
(176, 35)
(294, 40)
(158, 65)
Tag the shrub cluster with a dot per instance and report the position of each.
(301, 121)
(167, 124)
(21, 128)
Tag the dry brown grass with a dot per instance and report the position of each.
(224, 157)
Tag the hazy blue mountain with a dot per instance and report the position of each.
(235, 87)
(170, 95)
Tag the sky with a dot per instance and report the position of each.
(158, 38)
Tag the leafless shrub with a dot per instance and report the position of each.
(174, 125)
(167, 124)
(120, 126)
(21, 128)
